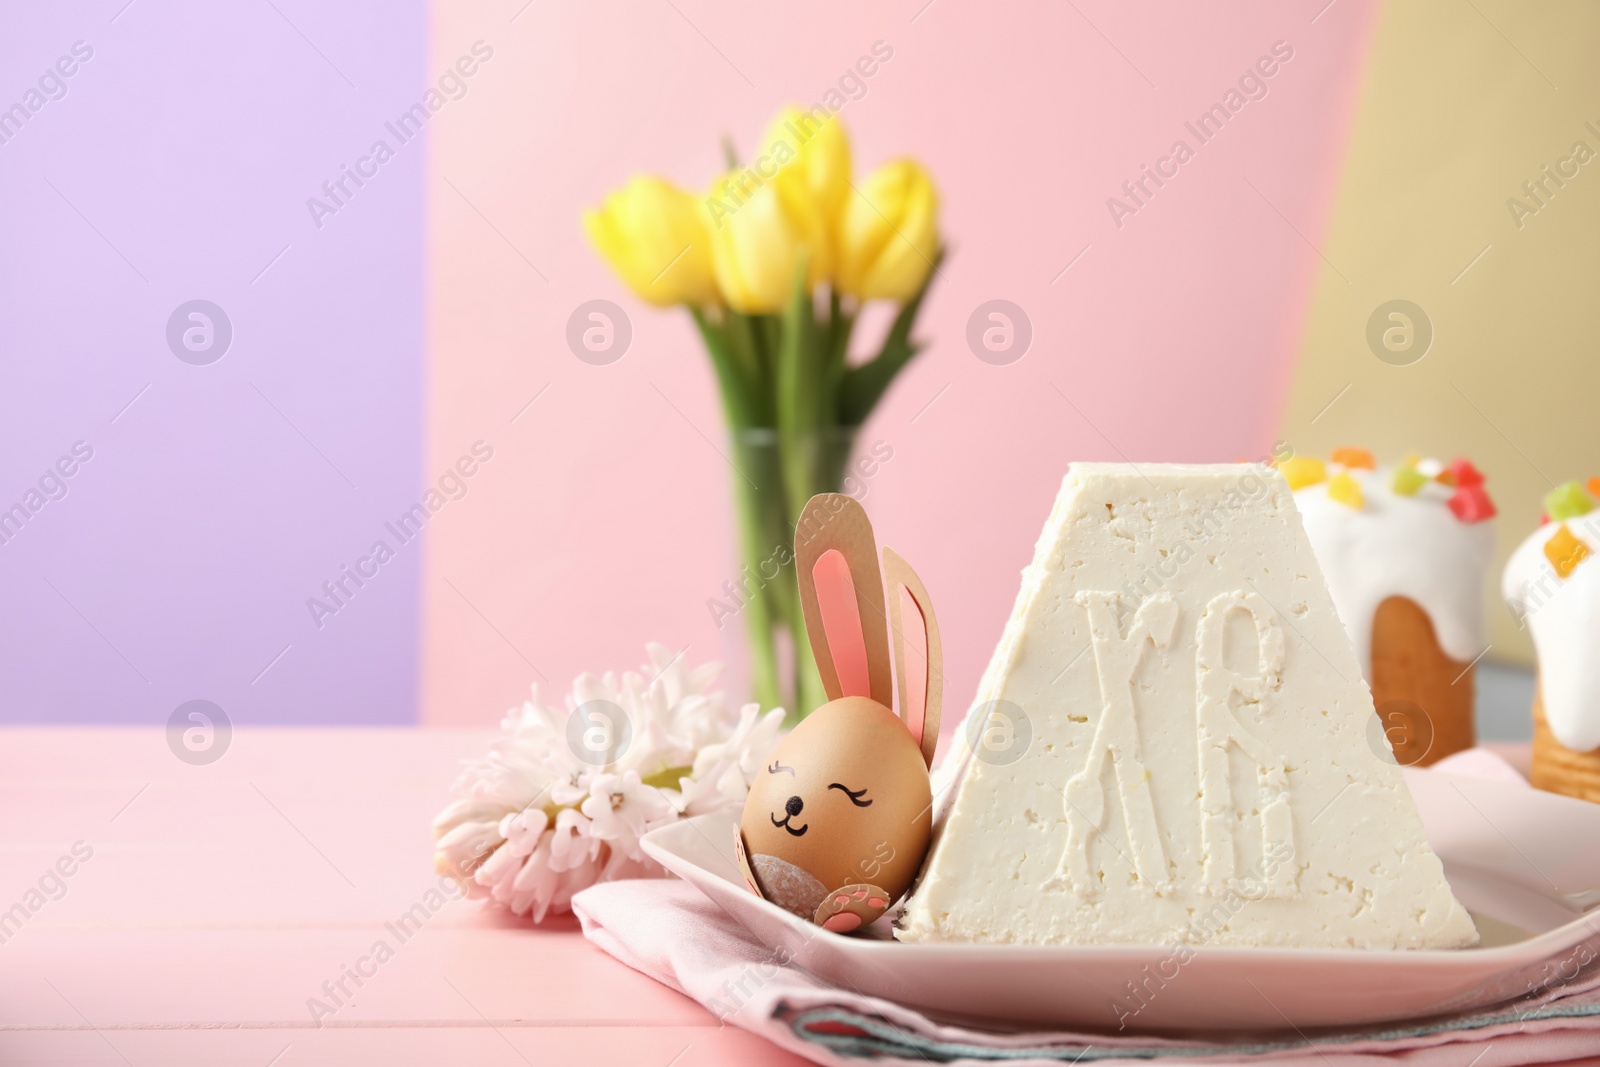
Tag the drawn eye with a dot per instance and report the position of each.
(776, 768)
(855, 795)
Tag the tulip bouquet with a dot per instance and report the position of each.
(775, 263)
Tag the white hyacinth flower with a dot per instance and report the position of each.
(541, 816)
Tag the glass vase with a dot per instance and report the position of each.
(775, 473)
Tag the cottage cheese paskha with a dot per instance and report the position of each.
(1197, 765)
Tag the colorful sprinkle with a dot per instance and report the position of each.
(1358, 458)
(1567, 501)
(1346, 490)
(1446, 477)
(1564, 551)
(1465, 473)
(1408, 481)
(1593, 485)
(1471, 503)
(1301, 471)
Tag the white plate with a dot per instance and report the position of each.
(1524, 862)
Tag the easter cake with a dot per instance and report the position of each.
(1554, 588)
(1173, 742)
(1405, 549)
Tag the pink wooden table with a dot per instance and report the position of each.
(219, 899)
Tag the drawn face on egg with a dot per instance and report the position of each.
(844, 799)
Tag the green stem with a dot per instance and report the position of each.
(733, 380)
(805, 416)
(747, 336)
(799, 395)
(863, 386)
(809, 694)
(739, 380)
(755, 545)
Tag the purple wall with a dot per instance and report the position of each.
(219, 496)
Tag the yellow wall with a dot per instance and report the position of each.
(1463, 102)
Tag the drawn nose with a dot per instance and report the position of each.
(794, 805)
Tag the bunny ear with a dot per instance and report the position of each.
(918, 654)
(841, 594)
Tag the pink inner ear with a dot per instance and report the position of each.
(914, 662)
(841, 622)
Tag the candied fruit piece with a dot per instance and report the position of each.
(1346, 490)
(1355, 457)
(1408, 481)
(1301, 471)
(1471, 503)
(1593, 485)
(1564, 551)
(1446, 477)
(1465, 473)
(1567, 501)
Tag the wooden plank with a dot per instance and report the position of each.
(481, 1046)
(284, 976)
(220, 899)
(86, 753)
(303, 826)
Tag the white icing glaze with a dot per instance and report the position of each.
(1409, 546)
(1563, 614)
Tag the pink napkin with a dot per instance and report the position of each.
(1481, 763)
(671, 932)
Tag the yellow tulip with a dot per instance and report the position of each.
(815, 144)
(760, 227)
(654, 235)
(889, 234)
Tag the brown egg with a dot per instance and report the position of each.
(836, 825)
(843, 802)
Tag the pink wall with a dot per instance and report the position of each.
(603, 519)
